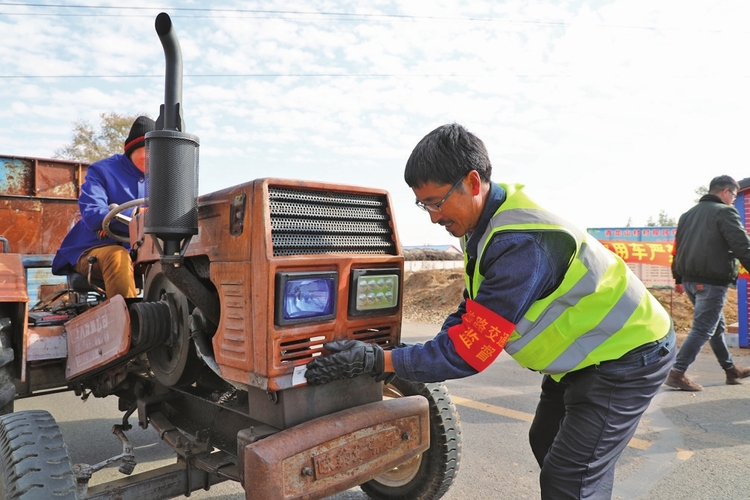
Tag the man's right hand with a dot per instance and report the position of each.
(347, 359)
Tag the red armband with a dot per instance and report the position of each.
(481, 335)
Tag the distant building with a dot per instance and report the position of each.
(436, 248)
(742, 204)
(430, 257)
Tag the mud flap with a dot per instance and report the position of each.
(336, 452)
(97, 337)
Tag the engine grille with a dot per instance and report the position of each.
(315, 222)
(300, 351)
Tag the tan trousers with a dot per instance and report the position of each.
(113, 266)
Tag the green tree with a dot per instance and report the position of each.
(89, 145)
(663, 220)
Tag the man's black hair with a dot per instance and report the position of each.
(720, 183)
(445, 155)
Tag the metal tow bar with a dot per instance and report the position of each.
(83, 472)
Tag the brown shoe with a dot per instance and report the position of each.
(679, 380)
(735, 373)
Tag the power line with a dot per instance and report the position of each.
(347, 16)
(355, 75)
(278, 13)
(257, 75)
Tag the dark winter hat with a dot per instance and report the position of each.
(137, 134)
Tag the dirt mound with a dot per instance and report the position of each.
(430, 296)
(681, 310)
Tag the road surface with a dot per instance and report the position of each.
(689, 445)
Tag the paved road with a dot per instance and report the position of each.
(689, 445)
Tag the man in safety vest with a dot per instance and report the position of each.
(549, 295)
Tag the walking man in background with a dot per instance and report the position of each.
(709, 240)
(117, 179)
(547, 293)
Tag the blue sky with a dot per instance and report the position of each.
(608, 111)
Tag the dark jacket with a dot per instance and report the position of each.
(710, 238)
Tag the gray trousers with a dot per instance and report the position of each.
(585, 421)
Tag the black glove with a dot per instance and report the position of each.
(348, 359)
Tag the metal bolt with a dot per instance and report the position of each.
(307, 471)
(405, 436)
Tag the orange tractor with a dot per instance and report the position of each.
(240, 290)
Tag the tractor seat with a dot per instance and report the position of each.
(79, 283)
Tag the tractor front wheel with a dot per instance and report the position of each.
(428, 475)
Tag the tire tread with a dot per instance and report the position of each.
(34, 458)
(7, 387)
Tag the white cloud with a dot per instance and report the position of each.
(606, 111)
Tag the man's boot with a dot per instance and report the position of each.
(735, 373)
(679, 380)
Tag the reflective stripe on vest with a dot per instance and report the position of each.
(599, 312)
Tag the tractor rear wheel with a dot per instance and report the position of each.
(429, 475)
(34, 462)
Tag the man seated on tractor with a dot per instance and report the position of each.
(117, 179)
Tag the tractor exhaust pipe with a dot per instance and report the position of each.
(171, 161)
(171, 115)
(172, 169)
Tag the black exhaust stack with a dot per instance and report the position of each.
(172, 163)
(172, 159)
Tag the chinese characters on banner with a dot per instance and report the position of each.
(653, 246)
(638, 252)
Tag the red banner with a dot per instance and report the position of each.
(653, 253)
(642, 252)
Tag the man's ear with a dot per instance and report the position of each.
(475, 182)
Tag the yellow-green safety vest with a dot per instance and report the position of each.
(600, 311)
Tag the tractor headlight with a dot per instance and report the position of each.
(305, 296)
(374, 291)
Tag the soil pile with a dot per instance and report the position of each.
(430, 296)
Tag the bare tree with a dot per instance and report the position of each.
(700, 191)
(664, 220)
(89, 145)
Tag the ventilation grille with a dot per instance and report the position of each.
(381, 336)
(300, 351)
(315, 222)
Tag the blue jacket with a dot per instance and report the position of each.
(112, 180)
(519, 269)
